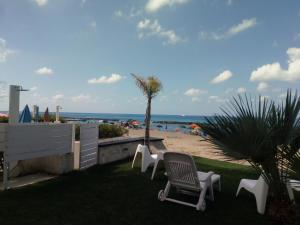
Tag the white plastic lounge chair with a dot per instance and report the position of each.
(260, 190)
(182, 174)
(147, 158)
(293, 185)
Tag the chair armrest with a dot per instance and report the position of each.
(207, 177)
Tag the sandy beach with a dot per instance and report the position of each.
(194, 145)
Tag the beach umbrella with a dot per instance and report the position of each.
(46, 116)
(25, 115)
(195, 126)
(135, 123)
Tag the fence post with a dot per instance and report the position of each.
(73, 137)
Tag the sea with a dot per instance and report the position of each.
(158, 122)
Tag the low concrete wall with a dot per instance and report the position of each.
(114, 149)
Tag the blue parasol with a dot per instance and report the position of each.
(25, 115)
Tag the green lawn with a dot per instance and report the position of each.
(116, 194)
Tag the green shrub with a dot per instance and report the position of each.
(105, 131)
(111, 130)
(52, 118)
(3, 119)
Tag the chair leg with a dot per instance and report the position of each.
(154, 168)
(201, 205)
(134, 158)
(260, 203)
(290, 192)
(167, 189)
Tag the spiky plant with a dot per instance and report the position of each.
(265, 134)
(150, 86)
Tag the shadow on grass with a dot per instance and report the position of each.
(117, 194)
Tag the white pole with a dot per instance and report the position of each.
(57, 114)
(36, 113)
(14, 103)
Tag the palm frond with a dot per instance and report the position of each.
(141, 83)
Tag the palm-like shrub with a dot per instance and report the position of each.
(265, 134)
(150, 86)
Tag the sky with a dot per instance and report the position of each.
(80, 54)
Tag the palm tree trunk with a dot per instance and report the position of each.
(147, 123)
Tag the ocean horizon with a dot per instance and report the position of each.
(130, 116)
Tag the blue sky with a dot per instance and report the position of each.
(80, 53)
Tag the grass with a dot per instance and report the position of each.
(116, 194)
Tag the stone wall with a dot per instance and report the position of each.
(57, 164)
(114, 149)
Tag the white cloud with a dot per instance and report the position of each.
(241, 90)
(215, 98)
(147, 27)
(57, 97)
(195, 94)
(225, 75)
(44, 71)
(275, 72)
(232, 31)
(131, 14)
(41, 2)
(155, 5)
(105, 79)
(81, 98)
(196, 99)
(262, 87)
(34, 88)
(4, 51)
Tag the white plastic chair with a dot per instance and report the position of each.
(147, 158)
(260, 190)
(160, 156)
(182, 174)
(293, 185)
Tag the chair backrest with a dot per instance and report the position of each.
(261, 185)
(181, 170)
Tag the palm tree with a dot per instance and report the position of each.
(150, 86)
(265, 134)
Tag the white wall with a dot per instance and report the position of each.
(27, 141)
